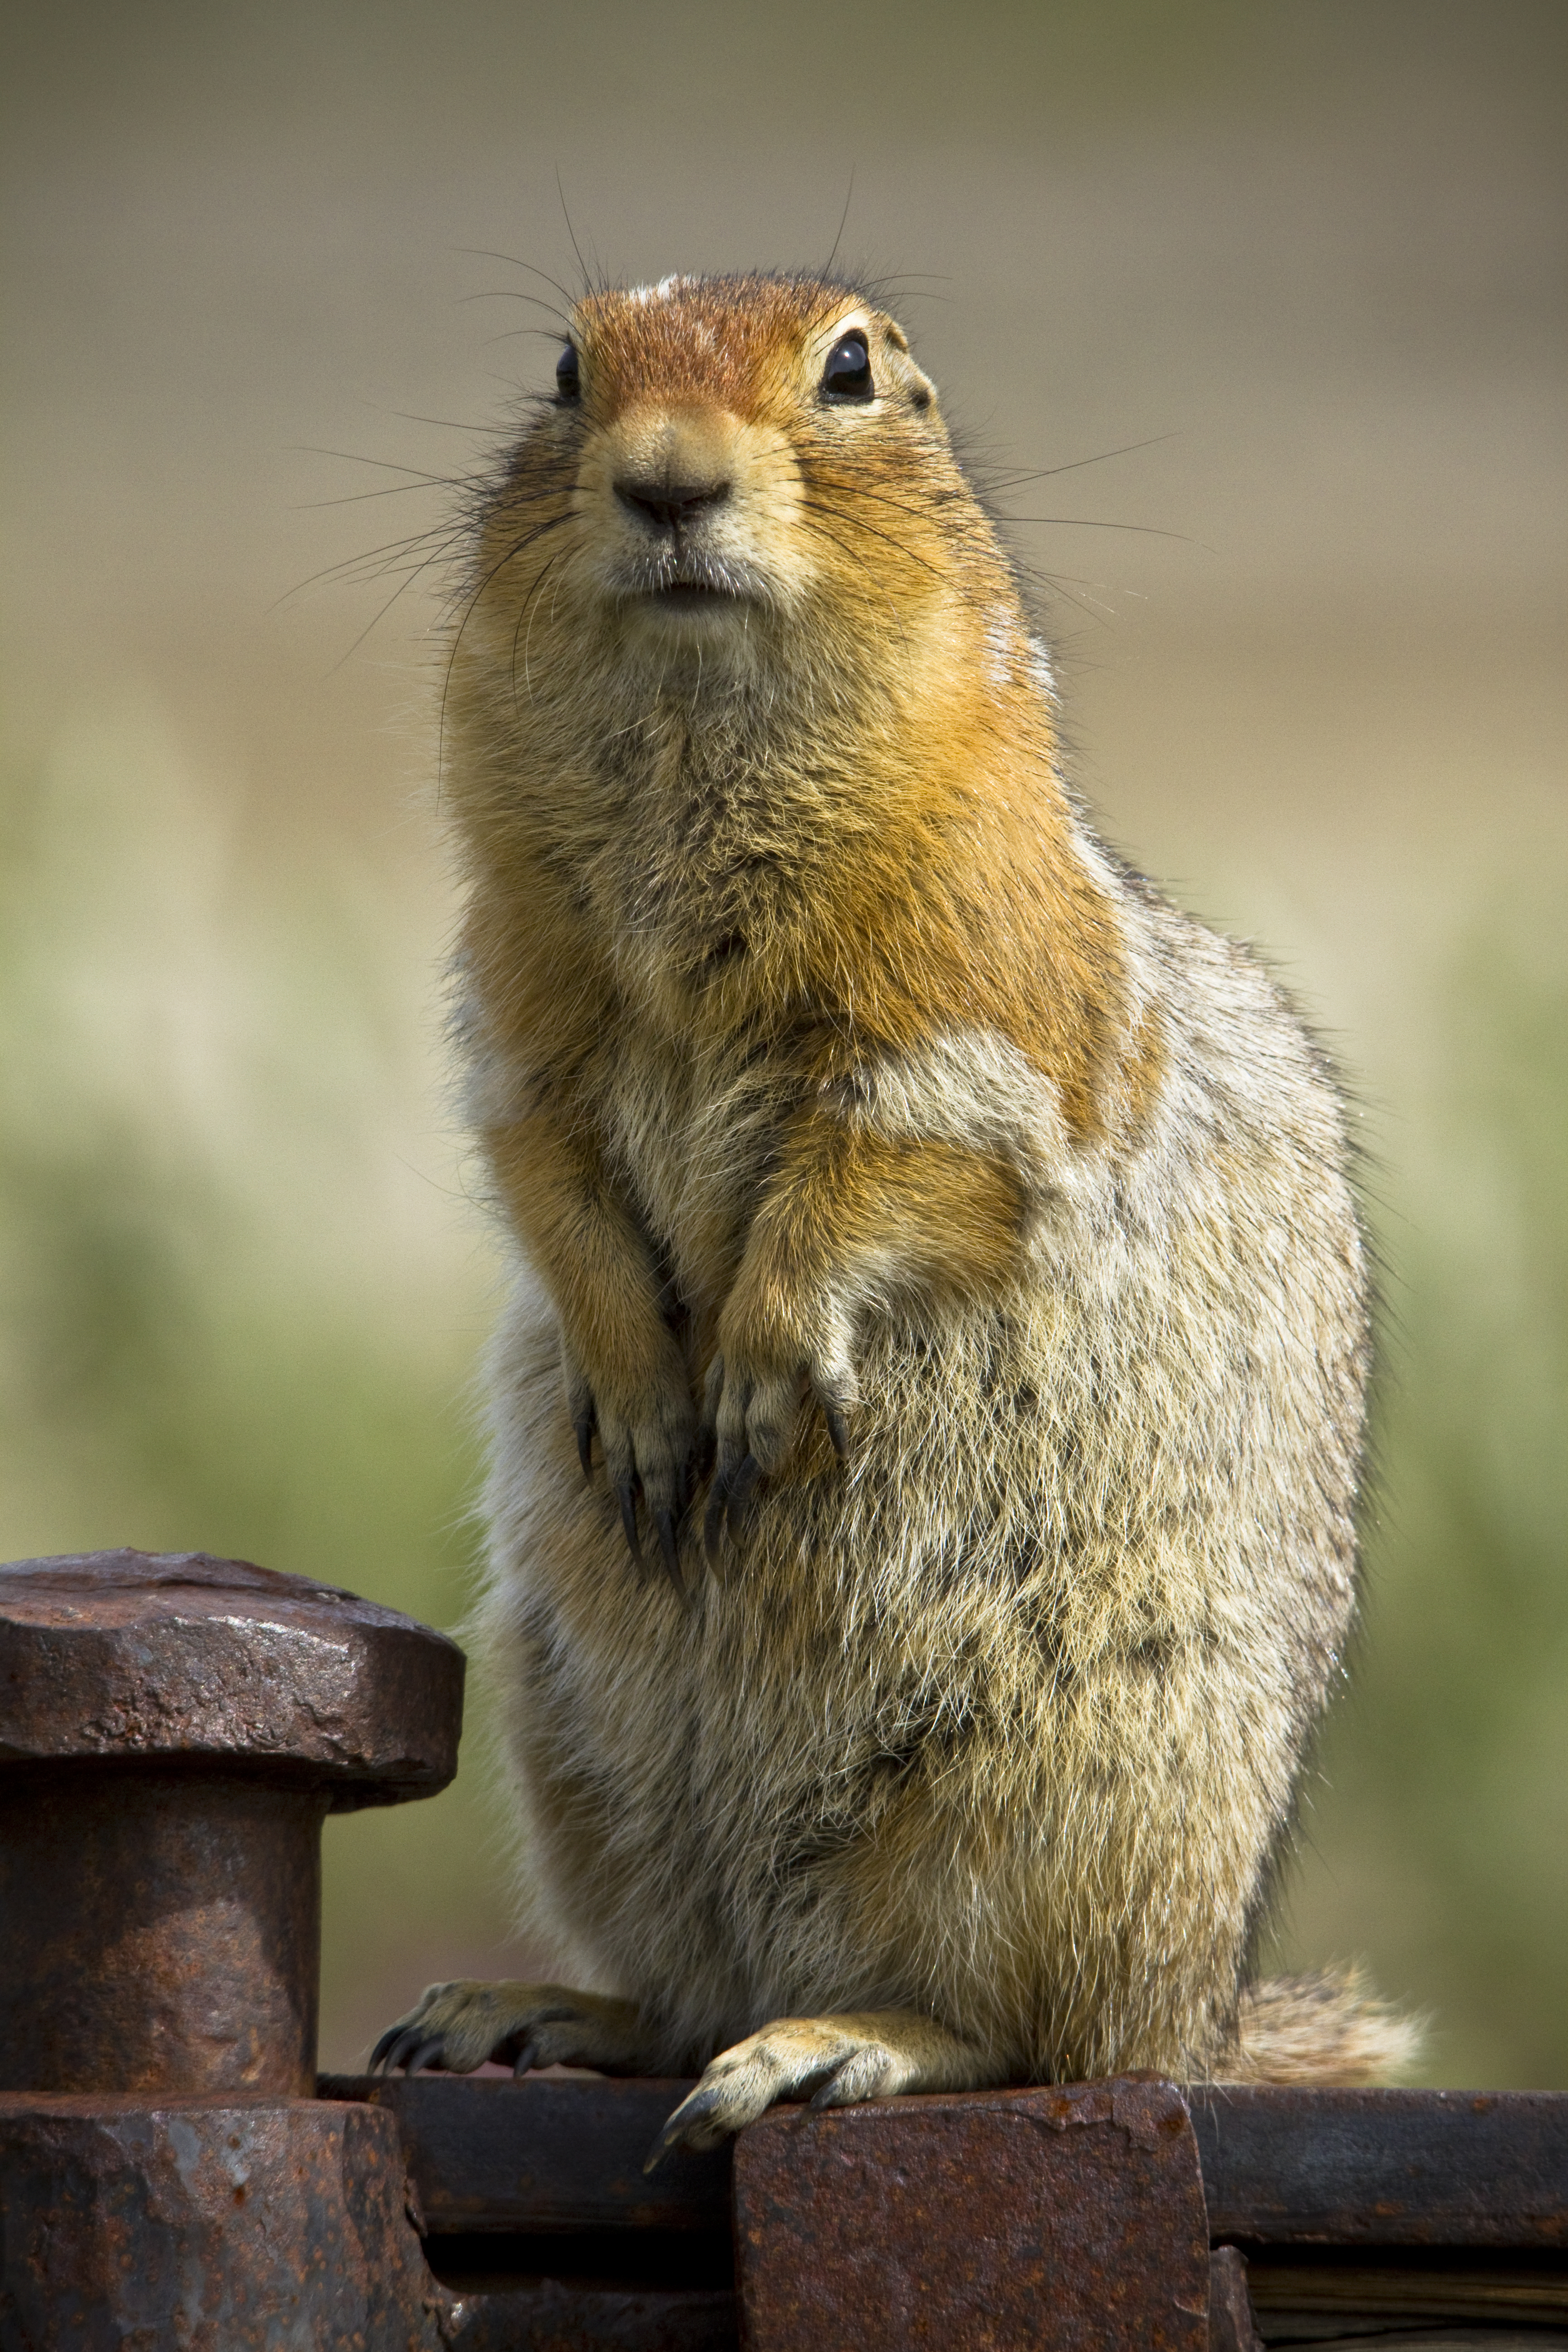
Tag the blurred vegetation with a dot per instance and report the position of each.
(1438, 1842)
(186, 1360)
(207, 1339)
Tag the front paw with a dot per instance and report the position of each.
(458, 2026)
(756, 1389)
(647, 1436)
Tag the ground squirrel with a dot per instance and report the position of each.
(936, 1249)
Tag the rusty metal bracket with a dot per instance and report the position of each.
(1071, 2218)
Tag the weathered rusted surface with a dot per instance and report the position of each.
(127, 1656)
(209, 2226)
(162, 1931)
(546, 2154)
(1065, 2218)
(1280, 2166)
(565, 2315)
(1386, 2167)
(173, 1730)
(1231, 2324)
(1306, 2294)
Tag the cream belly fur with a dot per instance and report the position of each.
(844, 1097)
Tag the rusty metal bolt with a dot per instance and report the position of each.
(173, 1729)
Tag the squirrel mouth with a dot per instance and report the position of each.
(697, 585)
(692, 596)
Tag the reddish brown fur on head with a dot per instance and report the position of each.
(730, 344)
(699, 480)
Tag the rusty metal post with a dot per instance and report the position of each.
(173, 1729)
(1071, 2219)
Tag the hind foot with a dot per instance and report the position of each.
(837, 2060)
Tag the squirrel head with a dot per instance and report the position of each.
(735, 476)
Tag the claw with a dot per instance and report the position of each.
(526, 2058)
(669, 1549)
(584, 1426)
(713, 1520)
(405, 2039)
(823, 2094)
(742, 1497)
(427, 2055)
(689, 2111)
(627, 1493)
(837, 1430)
(382, 2045)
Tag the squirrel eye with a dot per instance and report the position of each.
(848, 375)
(568, 377)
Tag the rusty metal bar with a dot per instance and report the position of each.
(1394, 2167)
(1386, 2167)
(544, 2156)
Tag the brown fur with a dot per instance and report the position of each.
(823, 1059)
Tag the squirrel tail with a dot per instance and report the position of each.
(1324, 2031)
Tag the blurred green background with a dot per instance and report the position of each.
(1316, 246)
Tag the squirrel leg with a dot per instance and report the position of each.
(626, 1378)
(457, 2026)
(851, 1223)
(837, 2060)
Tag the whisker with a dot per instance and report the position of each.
(832, 537)
(377, 618)
(512, 552)
(1057, 583)
(439, 538)
(358, 497)
(843, 217)
(571, 232)
(353, 457)
(447, 424)
(510, 294)
(486, 253)
(1016, 481)
(861, 491)
(417, 553)
(514, 334)
(859, 523)
(527, 606)
(1083, 522)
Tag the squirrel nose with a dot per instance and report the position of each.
(670, 506)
